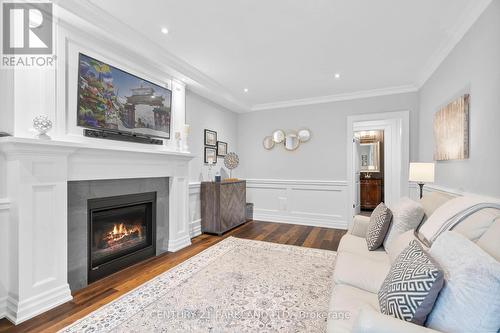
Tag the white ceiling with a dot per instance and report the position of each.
(289, 50)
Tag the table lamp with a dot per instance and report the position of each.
(422, 173)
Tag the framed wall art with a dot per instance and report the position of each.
(221, 148)
(210, 155)
(210, 138)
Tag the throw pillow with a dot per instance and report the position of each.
(406, 215)
(380, 220)
(412, 286)
(469, 301)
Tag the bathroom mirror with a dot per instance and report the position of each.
(369, 156)
(268, 142)
(304, 135)
(292, 141)
(279, 136)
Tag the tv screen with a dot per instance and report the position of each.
(112, 99)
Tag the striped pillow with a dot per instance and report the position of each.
(380, 220)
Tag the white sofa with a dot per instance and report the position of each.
(359, 273)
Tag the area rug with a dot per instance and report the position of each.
(237, 285)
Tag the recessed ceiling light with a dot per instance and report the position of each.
(337, 75)
(164, 30)
(245, 90)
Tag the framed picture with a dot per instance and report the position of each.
(451, 131)
(210, 155)
(221, 148)
(210, 138)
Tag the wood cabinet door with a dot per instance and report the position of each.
(371, 193)
(232, 205)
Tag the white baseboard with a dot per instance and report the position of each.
(195, 228)
(3, 307)
(178, 244)
(18, 312)
(290, 219)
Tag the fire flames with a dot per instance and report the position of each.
(121, 231)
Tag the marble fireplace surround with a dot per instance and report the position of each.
(36, 175)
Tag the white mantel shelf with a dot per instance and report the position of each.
(34, 209)
(96, 144)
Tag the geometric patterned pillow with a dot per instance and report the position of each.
(380, 220)
(412, 285)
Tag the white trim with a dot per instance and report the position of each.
(3, 307)
(436, 188)
(335, 98)
(464, 24)
(195, 228)
(397, 150)
(31, 307)
(288, 213)
(4, 204)
(179, 243)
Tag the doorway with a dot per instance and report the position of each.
(369, 151)
(395, 148)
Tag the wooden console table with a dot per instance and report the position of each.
(222, 206)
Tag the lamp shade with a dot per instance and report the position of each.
(422, 172)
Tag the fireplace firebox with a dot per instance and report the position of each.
(121, 232)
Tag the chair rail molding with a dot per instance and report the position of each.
(319, 203)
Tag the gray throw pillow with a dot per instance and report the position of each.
(380, 220)
(412, 285)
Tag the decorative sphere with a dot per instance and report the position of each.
(42, 124)
(231, 160)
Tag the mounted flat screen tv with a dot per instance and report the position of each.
(114, 100)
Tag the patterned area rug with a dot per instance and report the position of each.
(236, 285)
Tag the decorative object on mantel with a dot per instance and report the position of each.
(421, 173)
(185, 136)
(451, 131)
(210, 138)
(2, 134)
(42, 125)
(291, 140)
(178, 143)
(221, 148)
(231, 161)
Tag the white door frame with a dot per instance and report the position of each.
(396, 127)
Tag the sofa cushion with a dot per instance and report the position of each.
(432, 201)
(355, 244)
(476, 224)
(360, 271)
(346, 302)
(469, 301)
(412, 285)
(380, 221)
(400, 243)
(406, 215)
(490, 240)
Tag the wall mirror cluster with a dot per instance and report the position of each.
(291, 140)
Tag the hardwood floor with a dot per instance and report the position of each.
(106, 290)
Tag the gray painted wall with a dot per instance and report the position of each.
(324, 156)
(203, 114)
(474, 67)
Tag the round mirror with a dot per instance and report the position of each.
(278, 136)
(304, 135)
(268, 142)
(291, 141)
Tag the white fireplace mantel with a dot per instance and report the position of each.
(36, 173)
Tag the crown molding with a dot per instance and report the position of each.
(470, 16)
(336, 97)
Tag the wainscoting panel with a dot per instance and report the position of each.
(306, 202)
(194, 209)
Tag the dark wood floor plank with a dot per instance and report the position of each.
(108, 289)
